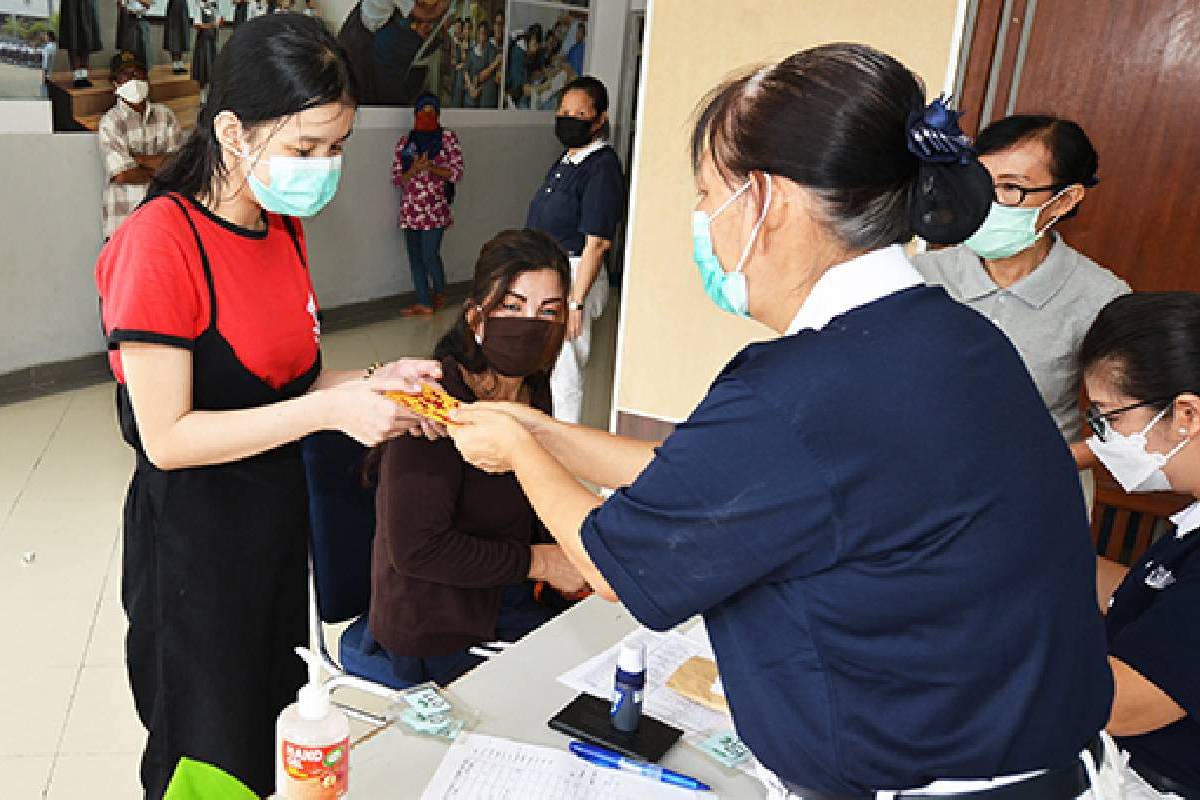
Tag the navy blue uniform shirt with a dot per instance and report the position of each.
(885, 534)
(1153, 627)
(578, 200)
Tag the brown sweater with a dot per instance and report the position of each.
(448, 539)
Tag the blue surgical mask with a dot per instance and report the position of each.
(300, 187)
(726, 289)
(1008, 230)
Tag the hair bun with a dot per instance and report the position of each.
(948, 202)
(953, 192)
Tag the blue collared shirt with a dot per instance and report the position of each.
(881, 617)
(582, 195)
(1152, 627)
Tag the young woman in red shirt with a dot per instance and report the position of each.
(214, 338)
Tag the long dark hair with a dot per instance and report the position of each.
(1073, 158)
(273, 67)
(594, 89)
(506, 256)
(833, 119)
(1151, 342)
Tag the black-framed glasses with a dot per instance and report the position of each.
(1012, 194)
(1099, 420)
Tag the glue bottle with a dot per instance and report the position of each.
(312, 743)
(628, 688)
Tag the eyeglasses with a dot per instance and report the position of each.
(1099, 421)
(1011, 194)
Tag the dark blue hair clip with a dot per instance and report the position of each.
(934, 134)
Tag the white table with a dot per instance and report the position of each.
(515, 694)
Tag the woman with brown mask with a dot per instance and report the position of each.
(457, 550)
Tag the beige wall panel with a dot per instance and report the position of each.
(674, 339)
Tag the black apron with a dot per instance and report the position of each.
(215, 579)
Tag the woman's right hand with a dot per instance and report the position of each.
(548, 562)
(363, 413)
(530, 418)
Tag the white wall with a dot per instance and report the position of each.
(50, 188)
(49, 239)
(25, 116)
(50, 225)
(357, 252)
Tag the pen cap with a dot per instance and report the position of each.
(631, 658)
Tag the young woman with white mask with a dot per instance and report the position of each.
(1018, 271)
(214, 337)
(882, 620)
(1141, 365)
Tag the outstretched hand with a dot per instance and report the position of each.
(487, 438)
(409, 375)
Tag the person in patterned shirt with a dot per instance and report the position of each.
(135, 138)
(427, 164)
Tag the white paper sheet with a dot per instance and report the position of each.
(479, 767)
(665, 652)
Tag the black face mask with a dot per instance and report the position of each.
(573, 131)
(517, 347)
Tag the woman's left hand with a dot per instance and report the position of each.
(574, 324)
(412, 374)
(487, 438)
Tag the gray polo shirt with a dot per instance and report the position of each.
(1045, 314)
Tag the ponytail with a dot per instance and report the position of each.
(195, 167)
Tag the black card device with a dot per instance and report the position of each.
(587, 718)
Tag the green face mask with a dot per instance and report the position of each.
(1008, 231)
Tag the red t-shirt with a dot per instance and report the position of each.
(152, 289)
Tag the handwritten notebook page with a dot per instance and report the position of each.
(480, 767)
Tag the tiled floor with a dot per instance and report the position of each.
(68, 726)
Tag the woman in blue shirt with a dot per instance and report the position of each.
(580, 204)
(1141, 365)
(882, 621)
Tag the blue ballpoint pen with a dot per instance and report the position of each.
(603, 757)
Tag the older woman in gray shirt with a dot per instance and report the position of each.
(1020, 274)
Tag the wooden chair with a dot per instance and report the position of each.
(1125, 525)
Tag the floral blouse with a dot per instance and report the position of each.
(424, 206)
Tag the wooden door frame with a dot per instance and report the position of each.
(994, 46)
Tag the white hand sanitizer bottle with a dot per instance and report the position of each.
(312, 743)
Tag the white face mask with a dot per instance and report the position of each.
(133, 92)
(1126, 457)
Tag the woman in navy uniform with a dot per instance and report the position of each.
(581, 204)
(1141, 362)
(881, 619)
(214, 337)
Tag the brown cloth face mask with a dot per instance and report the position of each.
(517, 347)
